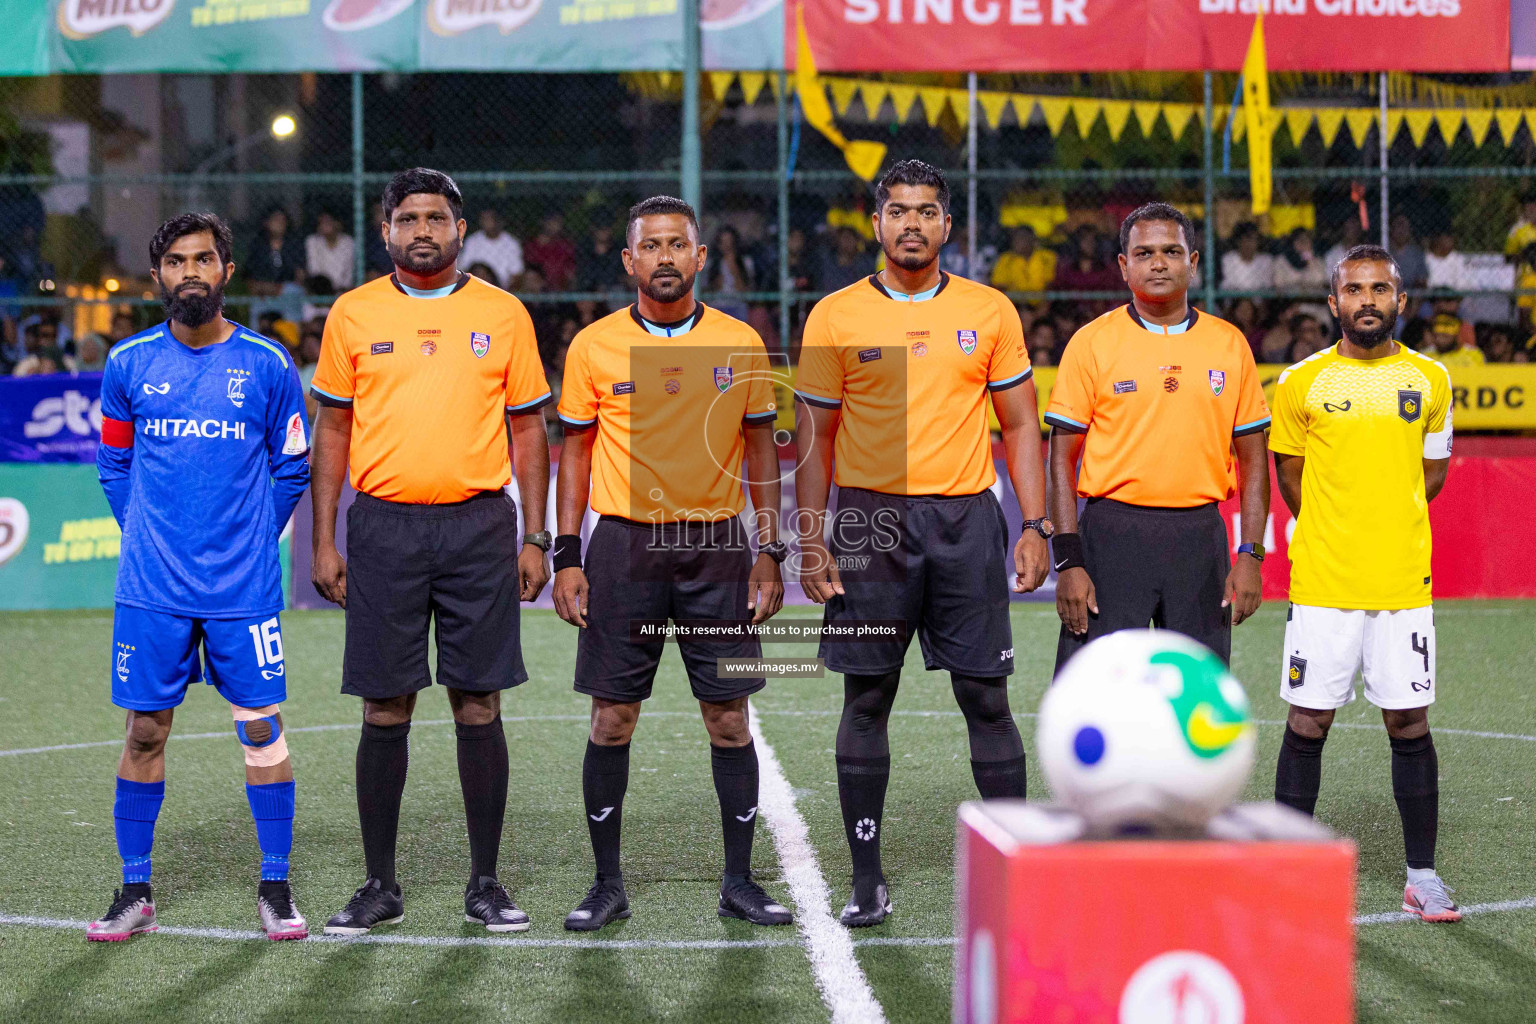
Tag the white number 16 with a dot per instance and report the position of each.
(269, 643)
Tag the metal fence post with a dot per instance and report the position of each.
(1209, 256)
(692, 156)
(781, 101)
(970, 177)
(1386, 228)
(359, 240)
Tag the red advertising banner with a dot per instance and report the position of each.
(1482, 547)
(1152, 35)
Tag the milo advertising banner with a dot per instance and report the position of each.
(104, 36)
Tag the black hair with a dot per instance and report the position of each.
(912, 172)
(1363, 254)
(1157, 212)
(422, 181)
(190, 224)
(658, 206)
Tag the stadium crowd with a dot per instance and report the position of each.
(287, 277)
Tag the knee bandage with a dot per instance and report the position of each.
(261, 735)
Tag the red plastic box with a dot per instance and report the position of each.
(1257, 930)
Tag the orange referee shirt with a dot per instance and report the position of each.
(430, 382)
(668, 409)
(1160, 408)
(911, 375)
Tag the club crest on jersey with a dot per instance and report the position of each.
(1409, 405)
(1218, 379)
(235, 389)
(479, 344)
(967, 341)
(723, 377)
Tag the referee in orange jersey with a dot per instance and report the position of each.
(419, 372)
(1152, 399)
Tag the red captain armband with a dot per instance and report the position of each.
(117, 433)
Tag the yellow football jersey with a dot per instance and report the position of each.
(1364, 428)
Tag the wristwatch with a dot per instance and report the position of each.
(1044, 527)
(1256, 550)
(543, 539)
(777, 550)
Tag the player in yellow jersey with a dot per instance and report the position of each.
(1362, 443)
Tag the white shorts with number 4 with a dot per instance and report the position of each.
(1393, 650)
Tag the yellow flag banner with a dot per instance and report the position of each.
(1256, 114)
(863, 158)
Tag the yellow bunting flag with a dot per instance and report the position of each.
(1054, 111)
(1259, 121)
(1146, 116)
(993, 104)
(1418, 125)
(843, 92)
(1298, 120)
(1360, 120)
(1329, 121)
(934, 102)
(720, 83)
(1116, 114)
(1478, 123)
(863, 158)
(1178, 116)
(1509, 124)
(1085, 112)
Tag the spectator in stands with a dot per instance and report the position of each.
(1244, 315)
(122, 327)
(1042, 342)
(1448, 341)
(1245, 268)
(1523, 233)
(846, 262)
(330, 253)
(43, 362)
(1298, 270)
(272, 324)
(1026, 266)
(376, 260)
(729, 272)
(483, 272)
(307, 358)
(1498, 346)
(1525, 282)
(799, 261)
(275, 258)
(553, 253)
(1274, 345)
(91, 353)
(1086, 270)
(1351, 234)
(494, 248)
(599, 267)
(1410, 257)
(1447, 268)
(1306, 337)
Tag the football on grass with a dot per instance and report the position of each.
(1145, 731)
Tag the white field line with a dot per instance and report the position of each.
(829, 947)
(529, 942)
(1475, 733)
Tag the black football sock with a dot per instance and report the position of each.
(997, 749)
(864, 767)
(483, 779)
(604, 778)
(383, 755)
(1416, 787)
(735, 771)
(1299, 771)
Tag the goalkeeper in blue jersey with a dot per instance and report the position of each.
(204, 453)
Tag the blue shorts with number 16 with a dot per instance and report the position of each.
(157, 655)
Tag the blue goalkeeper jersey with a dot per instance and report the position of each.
(204, 454)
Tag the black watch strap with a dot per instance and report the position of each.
(777, 550)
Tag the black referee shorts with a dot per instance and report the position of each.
(1163, 567)
(409, 564)
(938, 564)
(647, 573)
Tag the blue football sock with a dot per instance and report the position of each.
(272, 808)
(134, 811)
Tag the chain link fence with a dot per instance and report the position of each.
(89, 166)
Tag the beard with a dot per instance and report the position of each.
(1371, 338)
(666, 288)
(191, 305)
(425, 262)
(912, 261)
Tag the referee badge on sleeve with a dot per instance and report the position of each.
(1298, 671)
(479, 344)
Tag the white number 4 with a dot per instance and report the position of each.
(269, 643)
